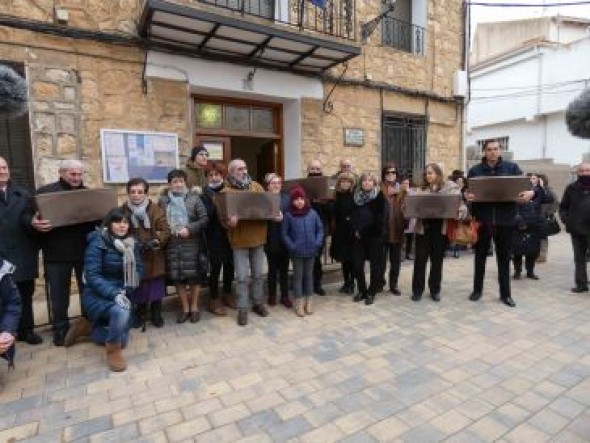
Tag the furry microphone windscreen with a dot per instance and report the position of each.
(577, 115)
(13, 93)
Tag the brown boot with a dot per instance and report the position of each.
(308, 306)
(115, 359)
(216, 308)
(272, 299)
(299, 311)
(80, 328)
(229, 300)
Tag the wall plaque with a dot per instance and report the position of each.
(354, 137)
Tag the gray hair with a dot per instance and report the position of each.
(64, 165)
(232, 165)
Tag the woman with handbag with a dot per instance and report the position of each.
(431, 236)
(187, 218)
(530, 230)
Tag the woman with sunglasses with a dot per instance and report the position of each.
(395, 195)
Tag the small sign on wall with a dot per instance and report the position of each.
(354, 137)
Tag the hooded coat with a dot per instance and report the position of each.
(10, 305)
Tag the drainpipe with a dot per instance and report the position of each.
(543, 118)
(466, 53)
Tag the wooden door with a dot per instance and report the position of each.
(219, 147)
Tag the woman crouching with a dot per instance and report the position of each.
(112, 270)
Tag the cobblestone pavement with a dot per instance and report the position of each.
(456, 371)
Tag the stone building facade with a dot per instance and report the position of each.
(93, 72)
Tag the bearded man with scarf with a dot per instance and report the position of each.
(150, 229)
(113, 271)
(247, 239)
(574, 211)
(369, 222)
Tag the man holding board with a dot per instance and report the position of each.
(497, 218)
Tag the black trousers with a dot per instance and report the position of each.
(370, 249)
(394, 252)
(59, 280)
(502, 237)
(215, 273)
(278, 266)
(581, 245)
(26, 289)
(348, 272)
(529, 263)
(429, 246)
(318, 272)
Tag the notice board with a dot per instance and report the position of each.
(129, 154)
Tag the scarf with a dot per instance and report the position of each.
(176, 210)
(139, 214)
(296, 212)
(127, 248)
(215, 186)
(363, 197)
(240, 184)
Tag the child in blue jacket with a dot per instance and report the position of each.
(303, 235)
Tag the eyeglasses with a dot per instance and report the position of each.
(204, 154)
(275, 182)
(392, 171)
(241, 168)
(315, 169)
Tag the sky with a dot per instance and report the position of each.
(481, 14)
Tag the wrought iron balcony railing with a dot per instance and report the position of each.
(403, 36)
(331, 17)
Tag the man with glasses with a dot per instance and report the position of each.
(196, 168)
(574, 211)
(247, 239)
(324, 210)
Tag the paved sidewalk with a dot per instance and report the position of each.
(456, 371)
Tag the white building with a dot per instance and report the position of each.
(523, 75)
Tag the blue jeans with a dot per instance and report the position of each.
(253, 257)
(112, 327)
(303, 276)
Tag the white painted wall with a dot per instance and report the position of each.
(227, 80)
(524, 96)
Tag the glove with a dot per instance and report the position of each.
(122, 300)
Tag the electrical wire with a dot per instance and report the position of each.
(527, 5)
(535, 87)
(524, 95)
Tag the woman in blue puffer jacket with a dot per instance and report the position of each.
(112, 270)
(303, 236)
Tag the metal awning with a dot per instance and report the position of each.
(223, 37)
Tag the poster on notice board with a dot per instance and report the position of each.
(129, 154)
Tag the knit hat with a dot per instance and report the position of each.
(197, 150)
(297, 192)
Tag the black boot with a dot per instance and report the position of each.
(350, 288)
(370, 298)
(138, 316)
(362, 295)
(156, 314)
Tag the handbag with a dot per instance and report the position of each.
(525, 243)
(462, 232)
(551, 225)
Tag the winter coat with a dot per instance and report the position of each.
(371, 219)
(495, 213)
(449, 187)
(248, 233)
(343, 234)
(218, 247)
(303, 235)
(274, 240)
(154, 263)
(182, 254)
(10, 305)
(18, 240)
(397, 223)
(66, 243)
(574, 209)
(530, 212)
(195, 177)
(104, 274)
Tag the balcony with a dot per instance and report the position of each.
(291, 35)
(403, 36)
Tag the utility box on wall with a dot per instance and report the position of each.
(460, 84)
